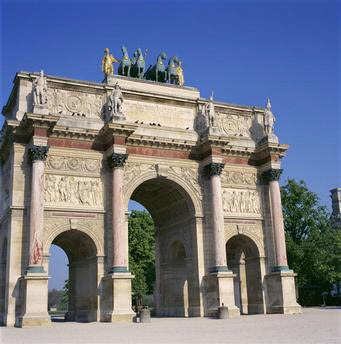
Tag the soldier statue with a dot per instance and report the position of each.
(107, 63)
(40, 90)
(114, 104)
(269, 119)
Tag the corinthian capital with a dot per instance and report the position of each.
(117, 160)
(214, 169)
(271, 175)
(37, 152)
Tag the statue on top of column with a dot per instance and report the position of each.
(107, 63)
(114, 105)
(269, 121)
(40, 90)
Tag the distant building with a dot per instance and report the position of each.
(336, 206)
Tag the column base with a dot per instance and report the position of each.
(281, 293)
(35, 288)
(221, 292)
(116, 305)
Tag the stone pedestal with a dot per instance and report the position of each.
(222, 283)
(117, 295)
(282, 293)
(35, 301)
(41, 109)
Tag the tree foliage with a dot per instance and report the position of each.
(313, 245)
(142, 252)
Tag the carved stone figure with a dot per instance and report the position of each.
(269, 119)
(107, 63)
(69, 190)
(40, 90)
(241, 201)
(114, 104)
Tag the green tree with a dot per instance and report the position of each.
(142, 252)
(64, 299)
(313, 245)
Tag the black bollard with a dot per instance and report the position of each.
(223, 312)
(145, 315)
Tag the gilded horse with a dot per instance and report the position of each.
(158, 72)
(125, 65)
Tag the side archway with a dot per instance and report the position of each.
(243, 259)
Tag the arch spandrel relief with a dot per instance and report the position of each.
(189, 178)
(253, 231)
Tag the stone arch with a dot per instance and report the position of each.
(247, 232)
(60, 228)
(189, 189)
(173, 206)
(243, 258)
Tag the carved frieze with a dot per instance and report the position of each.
(234, 125)
(238, 177)
(69, 190)
(75, 164)
(74, 103)
(241, 201)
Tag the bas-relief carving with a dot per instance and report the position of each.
(234, 125)
(75, 164)
(68, 190)
(238, 177)
(172, 116)
(74, 103)
(241, 201)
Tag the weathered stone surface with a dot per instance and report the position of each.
(219, 230)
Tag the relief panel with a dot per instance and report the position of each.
(63, 191)
(237, 201)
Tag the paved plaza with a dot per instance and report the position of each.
(315, 325)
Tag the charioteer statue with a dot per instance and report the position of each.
(135, 67)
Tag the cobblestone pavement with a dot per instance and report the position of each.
(315, 325)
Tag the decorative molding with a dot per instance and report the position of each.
(214, 169)
(271, 175)
(238, 177)
(116, 160)
(74, 164)
(38, 152)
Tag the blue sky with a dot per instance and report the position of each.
(245, 51)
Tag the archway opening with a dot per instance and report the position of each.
(81, 286)
(176, 287)
(243, 259)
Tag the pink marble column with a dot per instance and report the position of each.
(213, 170)
(37, 154)
(119, 237)
(272, 177)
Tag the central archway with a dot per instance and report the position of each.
(82, 282)
(176, 291)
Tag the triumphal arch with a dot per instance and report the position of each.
(75, 152)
